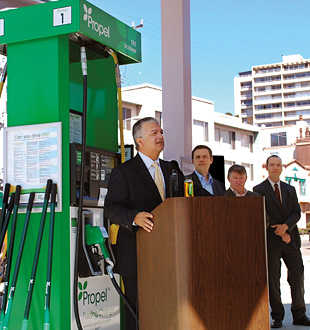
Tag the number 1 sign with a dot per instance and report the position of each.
(62, 16)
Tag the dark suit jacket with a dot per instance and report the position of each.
(229, 192)
(131, 190)
(218, 187)
(289, 214)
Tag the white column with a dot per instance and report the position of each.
(176, 78)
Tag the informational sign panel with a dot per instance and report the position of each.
(32, 155)
(75, 127)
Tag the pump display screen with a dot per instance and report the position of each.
(98, 168)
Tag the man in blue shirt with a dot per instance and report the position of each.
(204, 184)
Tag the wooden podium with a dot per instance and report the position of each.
(203, 267)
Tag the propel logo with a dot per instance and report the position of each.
(99, 28)
(92, 298)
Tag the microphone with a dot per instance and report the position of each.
(174, 184)
(174, 180)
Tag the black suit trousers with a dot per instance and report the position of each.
(295, 277)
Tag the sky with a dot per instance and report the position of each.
(227, 37)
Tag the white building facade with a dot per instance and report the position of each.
(225, 135)
(274, 94)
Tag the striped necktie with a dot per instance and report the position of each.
(159, 181)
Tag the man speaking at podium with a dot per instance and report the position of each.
(135, 188)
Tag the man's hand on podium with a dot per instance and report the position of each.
(142, 219)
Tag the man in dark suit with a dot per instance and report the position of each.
(237, 178)
(283, 241)
(135, 188)
(204, 184)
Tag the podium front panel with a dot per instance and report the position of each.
(204, 265)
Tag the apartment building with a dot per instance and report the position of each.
(226, 135)
(274, 94)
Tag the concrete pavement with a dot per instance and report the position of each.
(285, 289)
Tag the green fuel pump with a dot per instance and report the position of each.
(53, 94)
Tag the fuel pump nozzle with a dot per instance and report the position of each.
(97, 235)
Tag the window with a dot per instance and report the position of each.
(233, 139)
(278, 139)
(268, 116)
(302, 187)
(266, 79)
(200, 131)
(301, 184)
(245, 85)
(297, 75)
(126, 118)
(247, 141)
(249, 170)
(217, 134)
(268, 106)
(225, 136)
(247, 102)
(296, 67)
(297, 104)
(158, 116)
(228, 164)
(206, 131)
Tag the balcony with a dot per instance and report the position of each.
(297, 87)
(246, 87)
(245, 105)
(247, 113)
(267, 116)
(269, 107)
(268, 82)
(267, 98)
(300, 95)
(246, 97)
(299, 67)
(297, 105)
(263, 72)
(297, 113)
(267, 90)
(301, 76)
